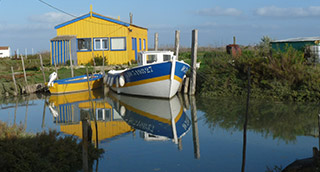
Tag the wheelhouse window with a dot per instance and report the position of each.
(151, 58)
(166, 57)
(139, 59)
(118, 44)
(84, 44)
(101, 44)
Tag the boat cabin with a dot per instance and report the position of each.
(149, 57)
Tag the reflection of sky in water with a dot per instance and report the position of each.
(220, 149)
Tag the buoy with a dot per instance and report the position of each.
(122, 111)
(122, 81)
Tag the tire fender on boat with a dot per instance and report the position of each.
(122, 81)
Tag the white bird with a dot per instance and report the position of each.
(52, 77)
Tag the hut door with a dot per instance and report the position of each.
(134, 47)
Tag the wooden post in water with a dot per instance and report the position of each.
(55, 65)
(24, 70)
(195, 132)
(70, 59)
(186, 85)
(156, 41)
(14, 82)
(43, 75)
(177, 43)
(194, 49)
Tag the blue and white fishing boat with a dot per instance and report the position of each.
(158, 74)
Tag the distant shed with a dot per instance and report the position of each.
(4, 52)
(95, 35)
(296, 43)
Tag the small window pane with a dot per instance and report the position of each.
(97, 44)
(105, 44)
(84, 44)
(139, 59)
(151, 58)
(166, 57)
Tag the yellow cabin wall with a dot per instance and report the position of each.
(106, 130)
(93, 27)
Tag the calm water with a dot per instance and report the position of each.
(181, 134)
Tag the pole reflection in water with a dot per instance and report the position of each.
(86, 138)
(195, 132)
(244, 147)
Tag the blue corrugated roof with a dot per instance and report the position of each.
(93, 15)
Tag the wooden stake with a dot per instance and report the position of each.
(55, 64)
(194, 49)
(43, 75)
(156, 39)
(71, 62)
(24, 71)
(177, 43)
(94, 63)
(14, 81)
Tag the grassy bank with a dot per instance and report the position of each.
(21, 151)
(33, 72)
(280, 76)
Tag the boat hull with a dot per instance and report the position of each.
(76, 84)
(156, 80)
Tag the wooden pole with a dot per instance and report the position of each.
(55, 64)
(70, 59)
(24, 71)
(194, 49)
(195, 132)
(156, 40)
(43, 75)
(177, 43)
(14, 81)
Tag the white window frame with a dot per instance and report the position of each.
(100, 42)
(115, 44)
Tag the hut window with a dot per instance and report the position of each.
(118, 44)
(140, 43)
(144, 44)
(101, 44)
(84, 44)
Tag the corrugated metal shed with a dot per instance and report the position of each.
(296, 43)
(63, 49)
(98, 35)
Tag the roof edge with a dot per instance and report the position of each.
(96, 15)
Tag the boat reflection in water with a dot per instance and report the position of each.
(71, 111)
(157, 119)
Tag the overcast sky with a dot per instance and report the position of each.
(30, 23)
